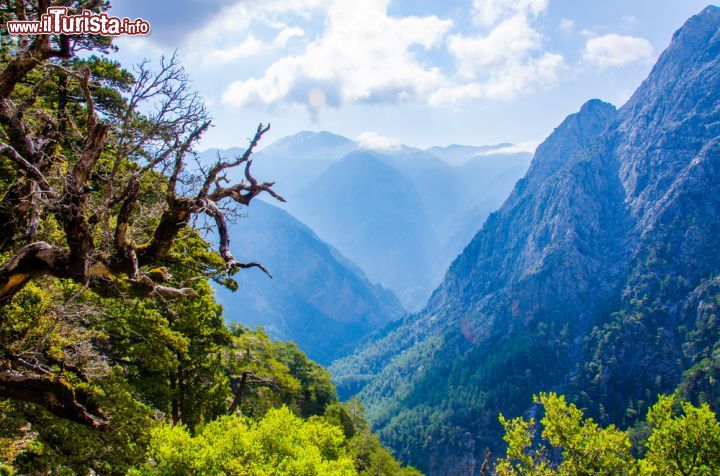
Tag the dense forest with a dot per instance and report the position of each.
(115, 356)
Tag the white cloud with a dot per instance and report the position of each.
(286, 34)
(617, 50)
(138, 45)
(456, 94)
(302, 7)
(373, 141)
(507, 60)
(362, 56)
(524, 77)
(230, 36)
(506, 84)
(250, 46)
(510, 42)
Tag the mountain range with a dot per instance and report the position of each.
(400, 215)
(599, 277)
(316, 297)
(397, 237)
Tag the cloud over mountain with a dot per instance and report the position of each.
(617, 50)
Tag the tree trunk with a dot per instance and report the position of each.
(51, 393)
(237, 401)
(36, 259)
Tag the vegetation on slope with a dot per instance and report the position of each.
(683, 440)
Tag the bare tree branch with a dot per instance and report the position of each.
(51, 393)
(23, 164)
(231, 263)
(94, 142)
(36, 259)
(244, 158)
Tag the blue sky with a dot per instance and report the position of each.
(419, 72)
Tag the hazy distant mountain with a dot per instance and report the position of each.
(456, 154)
(403, 216)
(374, 215)
(598, 277)
(294, 161)
(317, 298)
(458, 199)
(311, 145)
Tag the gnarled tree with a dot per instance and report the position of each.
(101, 155)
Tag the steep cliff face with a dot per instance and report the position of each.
(594, 278)
(557, 228)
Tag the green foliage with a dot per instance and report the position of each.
(682, 444)
(674, 315)
(133, 357)
(316, 389)
(178, 358)
(280, 444)
(151, 361)
(55, 446)
(687, 443)
(520, 459)
(109, 359)
(365, 448)
(586, 447)
(267, 374)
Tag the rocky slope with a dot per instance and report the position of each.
(597, 278)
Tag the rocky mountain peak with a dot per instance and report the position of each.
(692, 57)
(673, 113)
(575, 133)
